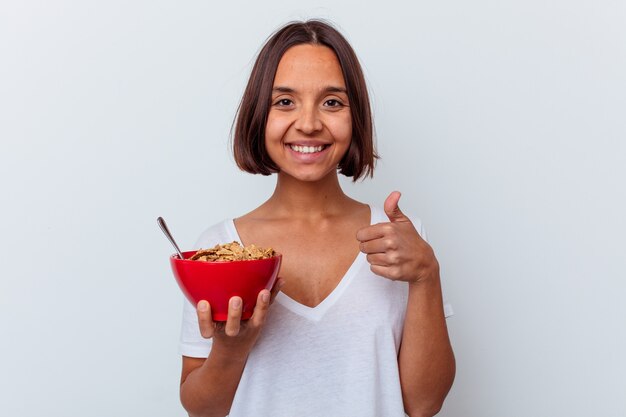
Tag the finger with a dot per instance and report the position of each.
(233, 322)
(205, 321)
(276, 288)
(378, 259)
(392, 210)
(375, 231)
(260, 310)
(377, 245)
(386, 271)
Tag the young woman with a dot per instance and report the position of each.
(358, 326)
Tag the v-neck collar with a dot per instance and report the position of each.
(317, 312)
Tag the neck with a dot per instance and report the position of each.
(308, 199)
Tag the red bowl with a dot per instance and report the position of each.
(217, 282)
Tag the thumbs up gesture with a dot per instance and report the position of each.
(395, 250)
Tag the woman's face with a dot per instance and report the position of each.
(309, 127)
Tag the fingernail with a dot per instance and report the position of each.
(265, 297)
(236, 303)
(203, 306)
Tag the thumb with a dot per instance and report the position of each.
(391, 208)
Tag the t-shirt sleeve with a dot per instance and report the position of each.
(192, 343)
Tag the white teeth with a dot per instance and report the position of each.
(307, 149)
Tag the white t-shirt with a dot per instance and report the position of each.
(338, 359)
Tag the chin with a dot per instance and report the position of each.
(309, 176)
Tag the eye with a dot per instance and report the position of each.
(283, 102)
(333, 103)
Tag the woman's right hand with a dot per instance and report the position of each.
(235, 334)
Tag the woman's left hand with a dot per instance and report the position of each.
(395, 250)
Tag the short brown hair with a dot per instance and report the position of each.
(249, 138)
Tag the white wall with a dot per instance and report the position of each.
(501, 121)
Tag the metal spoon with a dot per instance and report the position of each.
(167, 233)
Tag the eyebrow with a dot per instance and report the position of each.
(329, 89)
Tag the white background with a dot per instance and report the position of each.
(502, 122)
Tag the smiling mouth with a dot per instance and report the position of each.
(308, 149)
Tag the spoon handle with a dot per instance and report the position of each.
(167, 233)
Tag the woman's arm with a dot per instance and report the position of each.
(396, 251)
(426, 360)
(208, 386)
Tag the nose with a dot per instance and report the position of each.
(308, 121)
